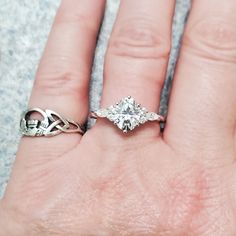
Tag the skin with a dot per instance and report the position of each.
(181, 183)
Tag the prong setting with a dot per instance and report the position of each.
(127, 114)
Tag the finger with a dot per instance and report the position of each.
(61, 85)
(137, 54)
(63, 76)
(202, 108)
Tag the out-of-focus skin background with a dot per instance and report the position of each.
(24, 27)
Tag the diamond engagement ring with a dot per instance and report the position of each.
(51, 124)
(127, 114)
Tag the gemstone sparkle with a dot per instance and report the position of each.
(127, 114)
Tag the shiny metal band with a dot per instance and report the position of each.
(51, 124)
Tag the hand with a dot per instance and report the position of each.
(105, 183)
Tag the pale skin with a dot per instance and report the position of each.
(179, 183)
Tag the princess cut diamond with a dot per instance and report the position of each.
(127, 114)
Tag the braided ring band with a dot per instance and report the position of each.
(51, 124)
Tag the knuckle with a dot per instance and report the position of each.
(213, 38)
(61, 81)
(138, 38)
(67, 17)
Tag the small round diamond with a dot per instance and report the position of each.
(102, 112)
(152, 116)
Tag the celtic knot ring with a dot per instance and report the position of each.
(127, 114)
(51, 124)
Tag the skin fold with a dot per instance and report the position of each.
(178, 183)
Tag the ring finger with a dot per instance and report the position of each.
(137, 54)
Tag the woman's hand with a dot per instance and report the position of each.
(143, 183)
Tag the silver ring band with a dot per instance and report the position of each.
(51, 124)
(127, 114)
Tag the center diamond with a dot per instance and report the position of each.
(127, 114)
